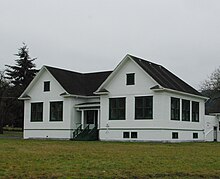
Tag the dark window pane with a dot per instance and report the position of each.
(56, 111)
(185, 110)
(175, 109)
(174, 135)
(195, 111)
(36, 112)
(195, 136)
(134, 135)
(144, 107)
(130, 79)
(117, 108)
(46, 86)
(126, 135)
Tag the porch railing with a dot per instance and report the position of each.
(77, 131)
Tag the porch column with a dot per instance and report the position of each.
(82, 119)
(98, 119)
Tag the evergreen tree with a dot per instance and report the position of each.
(3, 86)
(19, 76)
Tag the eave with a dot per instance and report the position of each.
(161, 89)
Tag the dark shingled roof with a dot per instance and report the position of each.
(87, 83)
(164, 77)
(79, 83)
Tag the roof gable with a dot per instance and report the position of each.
(78, 83)
(158, 73)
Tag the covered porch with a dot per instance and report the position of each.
(88, 126)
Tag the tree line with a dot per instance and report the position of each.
(13, 81)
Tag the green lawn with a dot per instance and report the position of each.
(70, 159)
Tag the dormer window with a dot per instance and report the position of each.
(47, 86)
(130, 79)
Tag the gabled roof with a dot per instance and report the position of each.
(164, 77)
(78, 83)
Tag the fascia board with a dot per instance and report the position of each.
(118, 67)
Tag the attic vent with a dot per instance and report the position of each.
(149, 63)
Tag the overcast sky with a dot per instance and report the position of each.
(95, 35)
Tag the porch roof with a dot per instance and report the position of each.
(88, 105)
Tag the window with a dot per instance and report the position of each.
(56, 111)
(126, 135)
(36, 112)
(144, 107)
(174, 135)
(130, 79)
(185, 110)
(47, 86)
(175, 109)
(195, 136)
(195, 111)
(117, 108)
(134, 135)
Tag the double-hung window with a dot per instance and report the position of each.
(175, 108)
(195, 111)
(185, 110)
(37, 112)
(117, 108)
(56, 111)
(144, 107)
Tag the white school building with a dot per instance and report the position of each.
(137, 101)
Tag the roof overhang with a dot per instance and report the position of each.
(67, 95)
(161, 89)
(25, 97)
(91, 105)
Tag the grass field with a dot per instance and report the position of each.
(70, 159)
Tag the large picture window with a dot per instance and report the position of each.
(144, 107)
(117, 108)
(195, 111)
(185, 110)
(175, 109)
(56, 111)
(36, 112)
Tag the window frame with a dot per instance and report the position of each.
(195, 111)
(126, 135)
(35, 114)
(195, 135)
(130, 79)
(60, 112)
(144, 108)
(175, 108)
(46, 86)
(185, 110)
(134, 135)
(117, 108)
(175, 135)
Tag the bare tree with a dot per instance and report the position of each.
(211, 86)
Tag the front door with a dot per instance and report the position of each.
(91, 117)
(215, 133)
